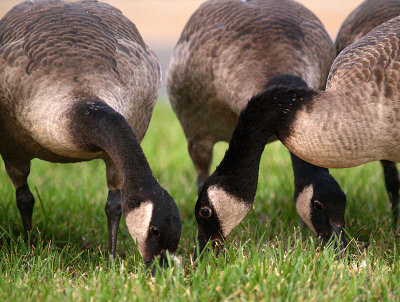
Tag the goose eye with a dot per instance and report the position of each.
(154, 231)
(205, 212)
(317, 205)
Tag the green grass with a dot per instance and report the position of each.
(267, 257)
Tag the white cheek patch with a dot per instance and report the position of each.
(230, 209)
(303, 205)
(138, 223)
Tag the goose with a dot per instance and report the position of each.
(362, 20)
(229, 51)
(77, 82)
(353, 122)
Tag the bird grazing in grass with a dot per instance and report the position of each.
(229, 51)
(77, 82)
(361, 21)
(353, 122)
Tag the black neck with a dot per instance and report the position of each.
(304, 171)
(242, 159)
(266, 115)
(98, 127)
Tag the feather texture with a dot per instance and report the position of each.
(55, 51)
(365, 18)
(228, 51)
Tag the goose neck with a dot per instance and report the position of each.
(267, 114)
(101, 127)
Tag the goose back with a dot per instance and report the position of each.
(230, 49)
(356, 119)
(363, 19)
(64, 52)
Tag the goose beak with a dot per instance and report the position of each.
(202, 244)
(339, 238)
(161, 260)
(217, 244)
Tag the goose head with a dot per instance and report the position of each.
(219, 209)
(321, 203)
(319, 200)
(155, 226)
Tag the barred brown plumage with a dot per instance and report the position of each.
(362, 20)
(78, 82)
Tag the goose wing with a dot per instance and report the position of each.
(371, 64)
(74, 39)
(364, 18)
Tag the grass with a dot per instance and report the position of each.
(267, 257)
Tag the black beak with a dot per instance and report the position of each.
(216, 243)
(339, 238)
(202, 244)
(159, 261)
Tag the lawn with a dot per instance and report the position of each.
(268, 257)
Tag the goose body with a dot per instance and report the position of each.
(362, 20)
(229, 51)
(353, 122)
(77, 82)
(362, 90)
(109, 52)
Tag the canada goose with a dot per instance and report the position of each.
(362, 20)
(229, 51)
(75, 79)
(351, 123)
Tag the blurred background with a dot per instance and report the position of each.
(161, 21)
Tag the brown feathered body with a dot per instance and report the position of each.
(54, 54)
(356, 119)
(227, 52)
(365, 18)
(75, 79)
